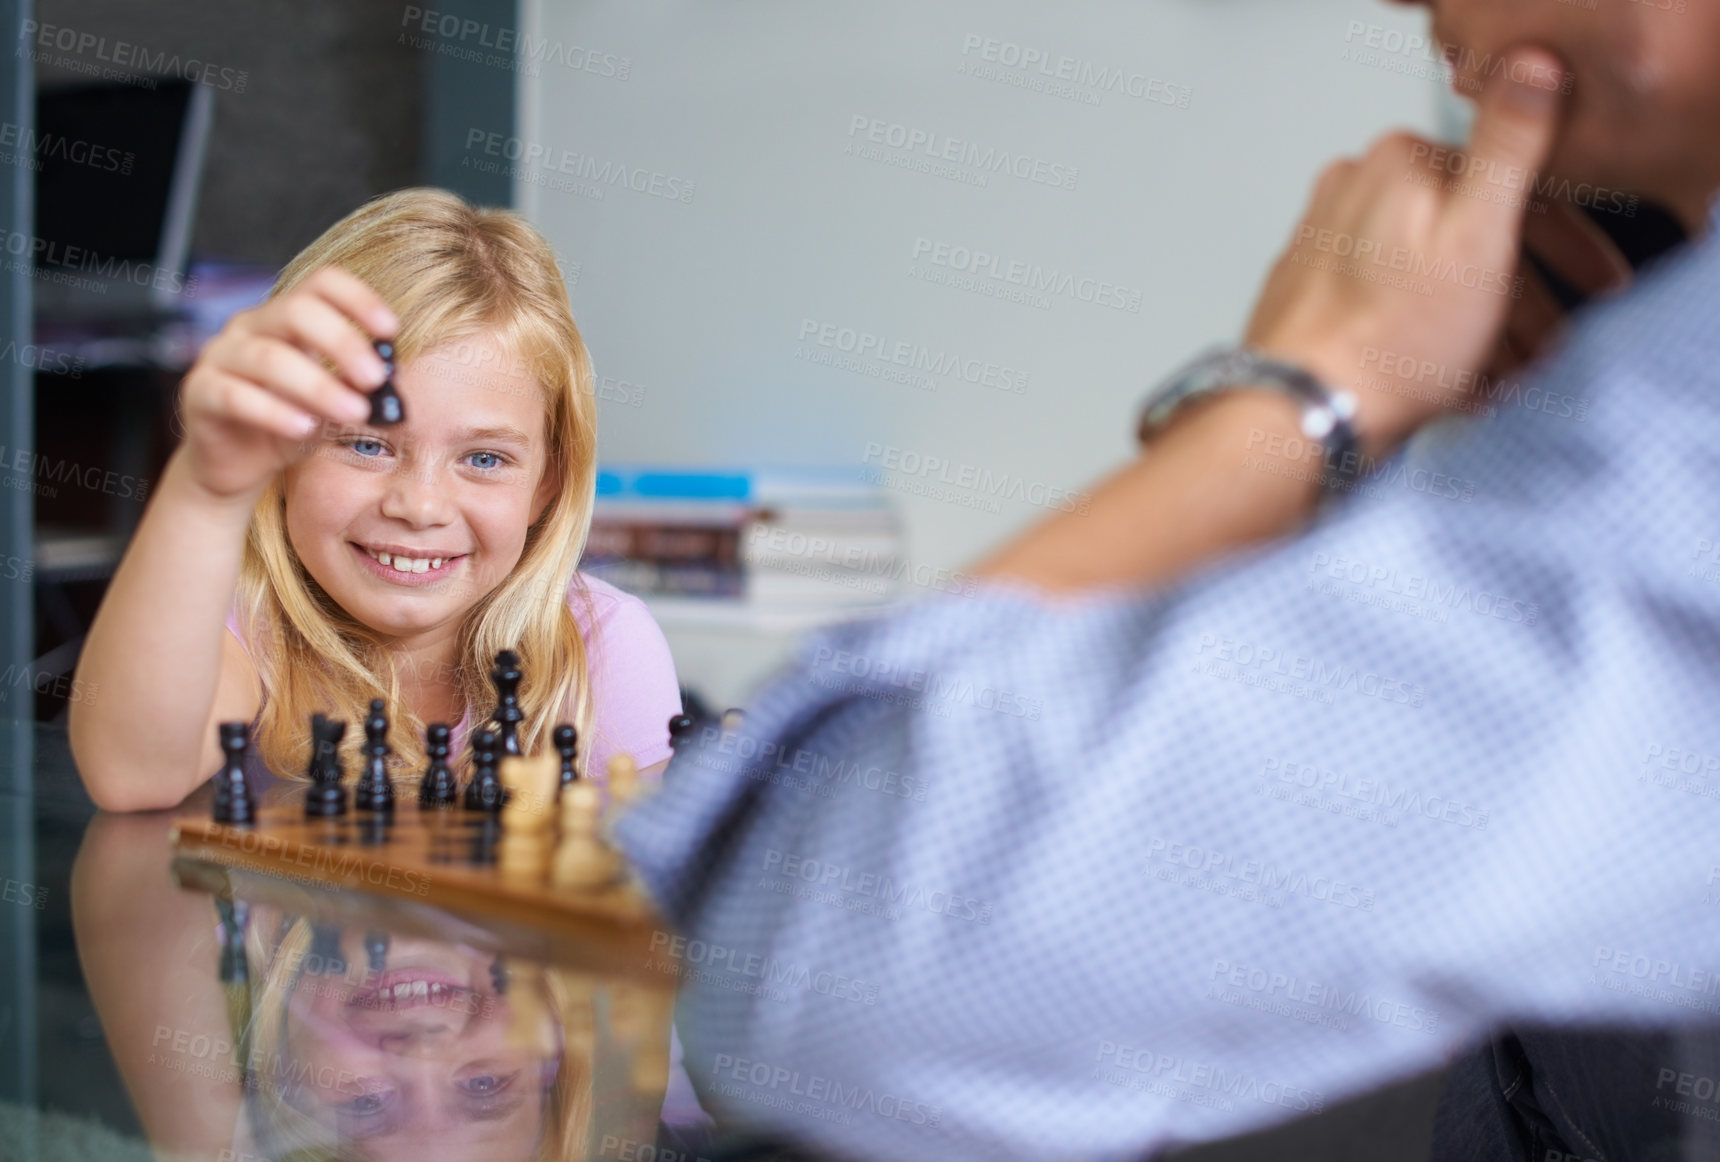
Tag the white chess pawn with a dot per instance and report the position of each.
(582, 859)
(623, 781)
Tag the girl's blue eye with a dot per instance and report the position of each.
(482, 1086)
(360, 445)
(494, 457)
(364, 1105)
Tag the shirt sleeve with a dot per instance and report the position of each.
(1005, 877)
(632, 673)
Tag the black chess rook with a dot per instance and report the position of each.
(234, 802)
(326, 797)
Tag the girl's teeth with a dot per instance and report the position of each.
(409, 564)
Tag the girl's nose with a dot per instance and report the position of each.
(416, 499)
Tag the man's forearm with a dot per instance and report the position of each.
(1229, 472)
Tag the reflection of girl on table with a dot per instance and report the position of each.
(353, 562)
(311, 1051)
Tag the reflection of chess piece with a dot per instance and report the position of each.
(640, 1019)
(531, 1024)
(582, 859)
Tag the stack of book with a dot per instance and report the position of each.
(769, 537)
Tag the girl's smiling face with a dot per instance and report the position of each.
(425, 1060)
(409, 526)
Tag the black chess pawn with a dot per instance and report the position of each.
(680, 731)
(485, 792)
(234, 802)
(506, 675)
(566, 741)
(376, 952)
(375, 792)
(439, 787)
(386, 406)
(327, 797)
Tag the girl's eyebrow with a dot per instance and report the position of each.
(503, 432)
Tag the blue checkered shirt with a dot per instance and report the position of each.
(997, 876)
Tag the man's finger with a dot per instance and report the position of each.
(1516, 120)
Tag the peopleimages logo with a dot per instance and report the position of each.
(1061, 75)
(985, 269)
(765, 1080)
(940, 147)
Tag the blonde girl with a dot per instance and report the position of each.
(296, 559)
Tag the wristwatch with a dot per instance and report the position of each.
(1326, 414)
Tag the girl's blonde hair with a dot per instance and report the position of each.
(449, 271)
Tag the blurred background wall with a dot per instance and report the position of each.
(1170, 162)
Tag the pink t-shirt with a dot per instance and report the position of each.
(634, 691)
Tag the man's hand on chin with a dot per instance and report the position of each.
(1395, 259)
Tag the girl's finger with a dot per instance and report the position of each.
(353, 297)
(278, 366)
(238, 400)
(316, 327)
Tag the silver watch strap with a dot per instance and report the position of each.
(1327, 415)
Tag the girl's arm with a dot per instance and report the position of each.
(158, 665)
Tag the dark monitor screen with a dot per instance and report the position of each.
(108, 156)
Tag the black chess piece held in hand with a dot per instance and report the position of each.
(234, 802)
(386, 407)
(375, 792)
(326, 797)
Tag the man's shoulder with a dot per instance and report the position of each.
(1662, 328)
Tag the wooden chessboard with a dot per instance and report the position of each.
(433, 856)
